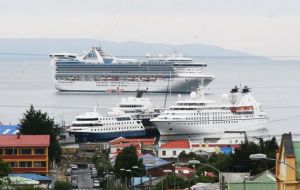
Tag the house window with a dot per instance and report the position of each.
(25, 151)
(163, 152)
(38, 164)
(174, 153)
(13, 164)
(25, 164)
(11, 151)
(1, 151)
(39, 151)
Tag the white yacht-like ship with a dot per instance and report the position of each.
(139, 108)
(99, 71)
(92, 126)
(196, 115)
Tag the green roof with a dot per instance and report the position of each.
(252, 186)
(296, 145)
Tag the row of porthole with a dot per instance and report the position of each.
(125, 128)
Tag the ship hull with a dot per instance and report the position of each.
(176, 85)
(103, 137)
(188, 128)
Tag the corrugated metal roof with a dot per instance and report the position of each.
(33, 177)
(151, 161)
(9, 129)
(24, 140)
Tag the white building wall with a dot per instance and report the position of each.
(169, 152)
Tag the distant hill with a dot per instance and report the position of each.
(79, 45)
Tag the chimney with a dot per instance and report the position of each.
(18, 135)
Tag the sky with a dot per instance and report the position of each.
(261, 27)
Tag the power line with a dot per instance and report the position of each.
(84, 108)
(47, 107)
(192, 56)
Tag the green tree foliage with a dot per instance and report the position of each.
(4, 171)
(102, 164)
(62, 185)
(170, 181)
(29, 188)
(237, 162)
(35, 122)
(242, 163)
(126, 159)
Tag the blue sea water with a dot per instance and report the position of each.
(26, 80)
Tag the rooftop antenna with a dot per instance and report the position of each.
(167, 92)
(95, 108)
(200, 89)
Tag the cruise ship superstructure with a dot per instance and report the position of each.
(98, 71)
(238, 111)
(138, 107)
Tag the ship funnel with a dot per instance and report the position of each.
(234, 90)
(233, 96)
(246, 89)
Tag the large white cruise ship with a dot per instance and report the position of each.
(91, 127)
(196, 115)
(98, 71)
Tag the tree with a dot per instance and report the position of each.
(241, 160)
(102, 163)
(4, 171)
(126, 159)
(62, 185)
(35, 122)
(180, 183)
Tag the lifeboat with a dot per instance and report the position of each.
(242, 109)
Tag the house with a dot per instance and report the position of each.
(172, 149)
(185, 172)
(287, 164)
(25, 153)
(141, 145)
(155, 166)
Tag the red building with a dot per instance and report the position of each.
(142, 145)
(25, 153)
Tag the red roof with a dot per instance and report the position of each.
(124, 140)
(177, 144)
(137, 146)
(24, 141)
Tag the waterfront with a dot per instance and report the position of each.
(29, 80)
